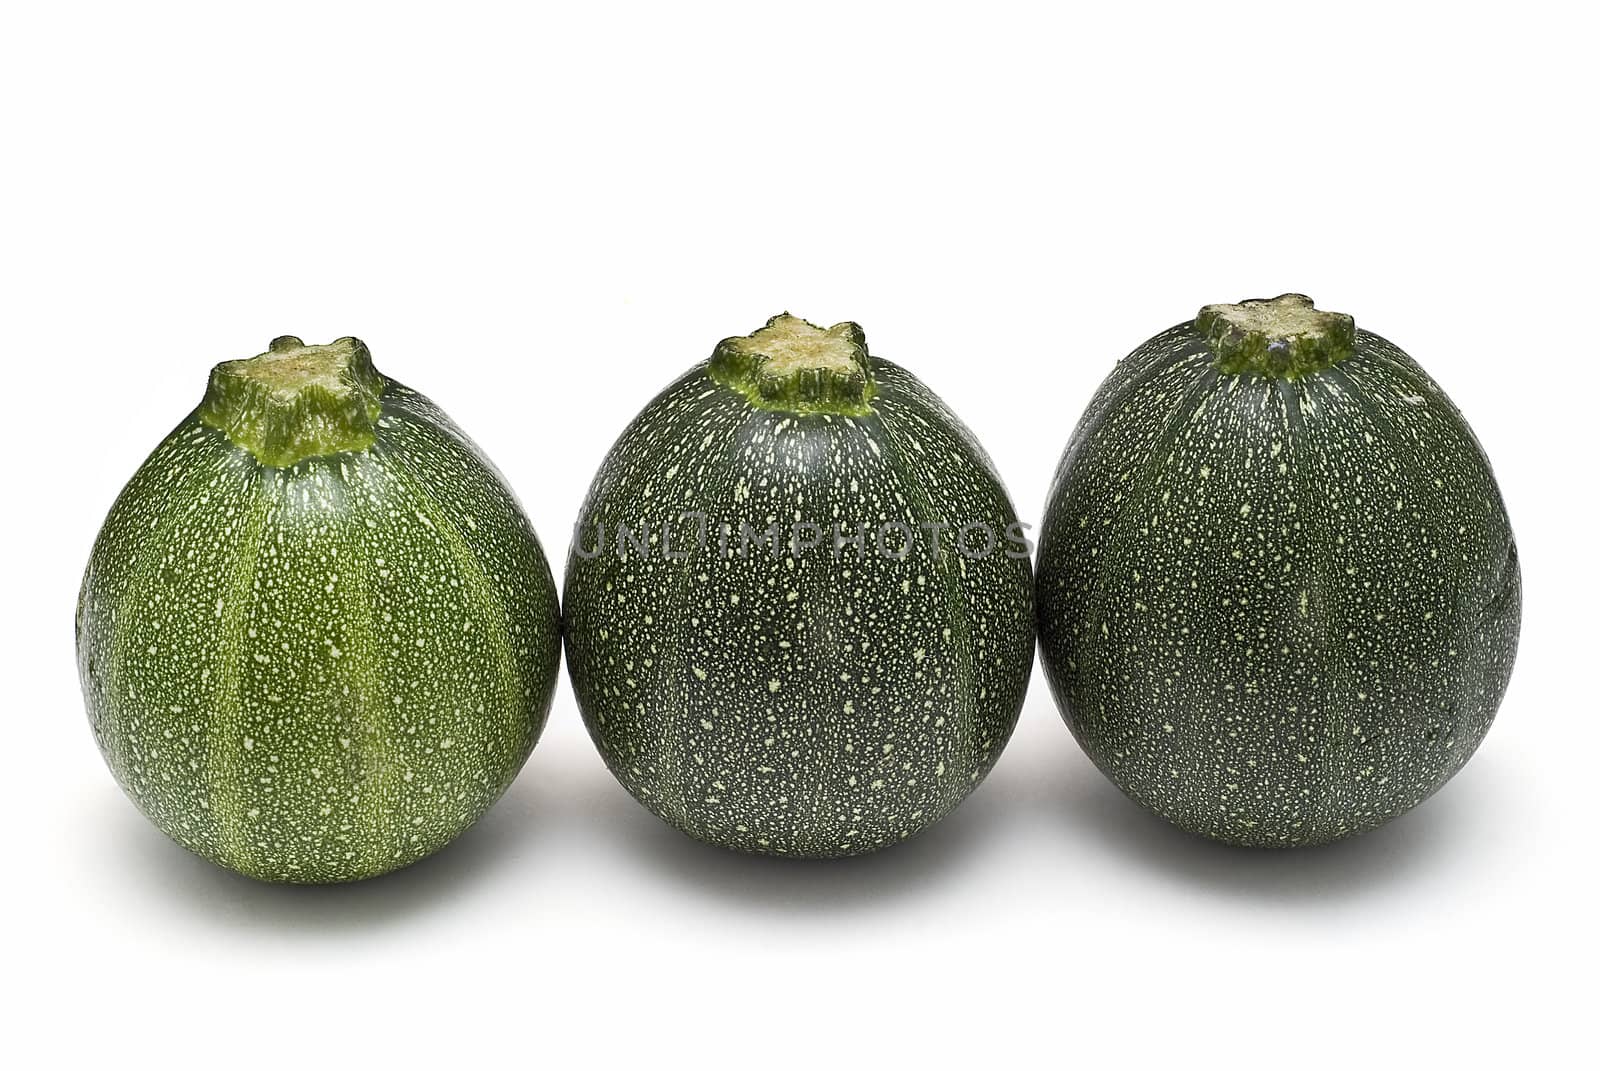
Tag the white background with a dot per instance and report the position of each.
(541, 215)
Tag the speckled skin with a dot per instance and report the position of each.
(325, 672)
(1276, 611)
(798, 705)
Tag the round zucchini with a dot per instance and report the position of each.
(773, 648)
(1278, 594)
(317, 637)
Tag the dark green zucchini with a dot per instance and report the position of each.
(804, 694)
(1278, 595)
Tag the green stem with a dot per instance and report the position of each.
(797, 367)
(1286, 337)
(295, 401)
